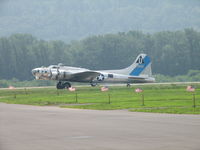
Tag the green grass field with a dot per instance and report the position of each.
(157, 98)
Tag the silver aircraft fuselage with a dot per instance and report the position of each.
(138, 72)
(65, 73)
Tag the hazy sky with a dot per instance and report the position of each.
(75, 19)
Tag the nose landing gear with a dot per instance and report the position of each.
(63, 85)
(128, 85)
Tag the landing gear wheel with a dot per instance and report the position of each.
(60, 85)
(63, 85)
(67, 85)
(128, 85)
(93, 84)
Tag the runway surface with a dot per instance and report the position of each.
(24, 127)
(88, 85)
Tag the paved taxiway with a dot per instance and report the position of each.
(124, 85)
(24, 127)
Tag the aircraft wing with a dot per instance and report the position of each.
(84, 76)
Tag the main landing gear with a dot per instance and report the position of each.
(63, 85)
(93, 84)
(128, 85)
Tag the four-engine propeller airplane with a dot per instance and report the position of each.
(138, 72)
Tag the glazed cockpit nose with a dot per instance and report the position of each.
(34, 71)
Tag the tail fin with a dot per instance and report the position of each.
(140, 67)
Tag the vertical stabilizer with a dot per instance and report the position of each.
(140, 67)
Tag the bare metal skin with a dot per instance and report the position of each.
(138, 72)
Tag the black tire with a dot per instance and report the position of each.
(67, 85)
(93, 84)
(60, 85)
(128, 85)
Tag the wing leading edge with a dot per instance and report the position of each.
(84, 76)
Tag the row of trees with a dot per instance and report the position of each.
(191, 76)
(172, 53)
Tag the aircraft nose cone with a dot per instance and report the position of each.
(33, 71)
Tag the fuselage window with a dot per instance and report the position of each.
(110, 75)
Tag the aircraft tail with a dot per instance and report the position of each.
(140, 67)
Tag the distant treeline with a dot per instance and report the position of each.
(172, 53)
(191, 76)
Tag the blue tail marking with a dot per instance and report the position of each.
(140, 67)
